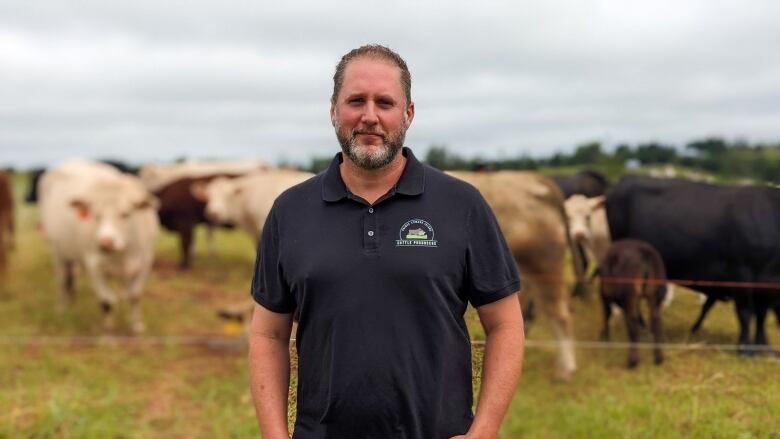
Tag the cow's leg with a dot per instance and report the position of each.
(606, 306)
(185, 235)
(705, 309)
(656, 327)
(65, 277)
(553, 298)
(134, 292)
(632, 322)
(744, 309)
(103, 291)
(761, 339)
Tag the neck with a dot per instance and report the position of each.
(371, 184)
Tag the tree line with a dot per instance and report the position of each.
(727, 160)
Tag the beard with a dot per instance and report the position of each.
(363, 156)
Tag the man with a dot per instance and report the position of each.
(380, 255)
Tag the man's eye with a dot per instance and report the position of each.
(355, 101)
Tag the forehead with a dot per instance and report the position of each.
(375, 75)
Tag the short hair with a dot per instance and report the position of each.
(375, 51)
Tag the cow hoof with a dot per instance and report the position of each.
(632, 363)
(659, 360)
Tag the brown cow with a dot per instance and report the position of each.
(633, 270)
(180, 211)
(6, 218)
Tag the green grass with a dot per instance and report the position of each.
(168, 390)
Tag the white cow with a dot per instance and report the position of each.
(95, 216)
(156, 176)
(245, 201)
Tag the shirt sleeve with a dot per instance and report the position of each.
(269, 287)
(492, 270)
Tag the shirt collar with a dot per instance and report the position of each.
(412, 181)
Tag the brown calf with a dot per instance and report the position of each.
(633, 270)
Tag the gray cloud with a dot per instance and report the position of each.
(158, 80)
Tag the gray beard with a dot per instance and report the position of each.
(368, 161)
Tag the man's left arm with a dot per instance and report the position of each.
(501, 365)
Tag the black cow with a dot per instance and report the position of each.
(589, 183)
(706, 232)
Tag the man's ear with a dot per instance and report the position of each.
(333, 114)
(409, 114)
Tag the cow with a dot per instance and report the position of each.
(710, 233)
(588, 183)
(529, 210)
(6, 218)
(95, 216)
(631, 271)
(588, 225)
(180, 211)
(245, 201)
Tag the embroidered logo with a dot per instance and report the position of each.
(416, 233)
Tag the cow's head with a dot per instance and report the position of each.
(579, 211)
(221, 197)
(111, 212)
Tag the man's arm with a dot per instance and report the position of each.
(501, 364)
(269, 370)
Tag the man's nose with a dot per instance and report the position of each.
(369, 114)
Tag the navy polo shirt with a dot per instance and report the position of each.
(383, 349)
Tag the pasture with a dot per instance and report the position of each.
(60, 378)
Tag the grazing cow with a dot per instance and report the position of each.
(245, 201)
(95, 216)
(6, 218)
(706, 232)
(529, 210)
(633, 270)
(588, 183)
(156, 176)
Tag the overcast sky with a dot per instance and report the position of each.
(157, 80)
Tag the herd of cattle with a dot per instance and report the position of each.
(723, 241)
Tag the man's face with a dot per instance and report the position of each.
(370, 114)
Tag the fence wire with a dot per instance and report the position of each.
(233, 342)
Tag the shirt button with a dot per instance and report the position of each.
(370, 233)
(370, 210)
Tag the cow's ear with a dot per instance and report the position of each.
(198, 190)
(597, 202)
(150, 202)
(82, 209)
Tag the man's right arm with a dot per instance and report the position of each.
(269, 370)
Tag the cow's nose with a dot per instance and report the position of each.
(106, 244)
(578, 235)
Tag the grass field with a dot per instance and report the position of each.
(85, 386)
